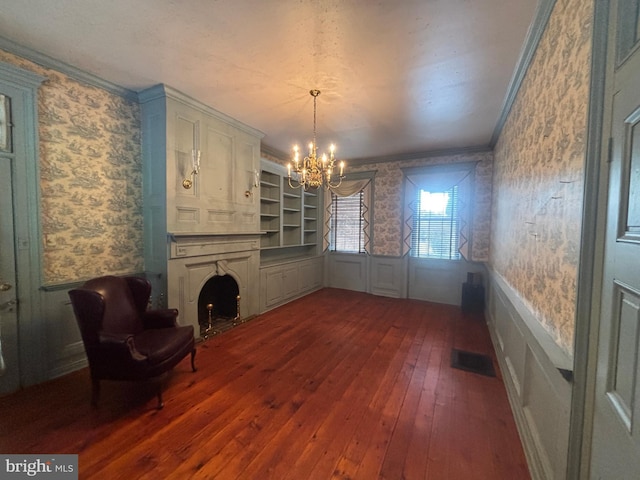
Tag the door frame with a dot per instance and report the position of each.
(593, 236)
(27, 237)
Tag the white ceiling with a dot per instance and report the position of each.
(396, 76)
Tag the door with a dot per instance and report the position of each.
(615, 452)
(9, 366)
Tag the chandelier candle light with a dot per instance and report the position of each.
(313, 172)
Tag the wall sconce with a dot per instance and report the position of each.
(195, 163)
(254, 182)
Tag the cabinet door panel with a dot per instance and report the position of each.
(310, 276)
(290, 281)
(217, 166)
(272, 282)
(185, 151)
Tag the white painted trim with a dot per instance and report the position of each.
(407, 157)
(165, 91)
(71, 71)
(27, 233)
(556, 355)
(543, 13)
(592, 241)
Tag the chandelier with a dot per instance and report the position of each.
(311, 171)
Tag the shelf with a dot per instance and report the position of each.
(288, 216)
(270, 248)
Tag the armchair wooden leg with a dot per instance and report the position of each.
(160, 402)
(193, 358)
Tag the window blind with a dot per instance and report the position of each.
(347, 223)
(436, 225)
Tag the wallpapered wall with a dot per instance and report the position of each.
(90, 179)
(538, 173)
(388, 202)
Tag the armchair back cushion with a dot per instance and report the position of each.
(122, 310)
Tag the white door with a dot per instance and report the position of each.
(615, 452)
(9, 366)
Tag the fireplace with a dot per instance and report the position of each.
(218, 305)
(213, 271)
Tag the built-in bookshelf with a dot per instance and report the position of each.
(291, 209)
(289, 216)
(310, 218)
(270, 209)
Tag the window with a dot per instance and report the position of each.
(436, 225)
(347, 223)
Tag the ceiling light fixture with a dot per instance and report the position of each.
(313, 172)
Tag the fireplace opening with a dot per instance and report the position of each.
(218, 305)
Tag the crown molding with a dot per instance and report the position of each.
(161, 91)
(274, 152)
(19, 76)
(543, 13)
(406, 157)
(73, 72)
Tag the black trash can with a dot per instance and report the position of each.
(473, 294)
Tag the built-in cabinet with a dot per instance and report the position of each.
(290, 245)
(285, 281)
(201, 171)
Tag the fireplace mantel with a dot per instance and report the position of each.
(192, 245)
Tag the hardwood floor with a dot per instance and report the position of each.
(338, 384)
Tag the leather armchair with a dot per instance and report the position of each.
(123, 340)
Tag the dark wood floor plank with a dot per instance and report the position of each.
(337, 384)
(305, 425)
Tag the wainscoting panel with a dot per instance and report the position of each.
(64, 344)
(439, 281)
(532, 366)
(348, 271)
(388, 276)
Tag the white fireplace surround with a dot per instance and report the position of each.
(195, 258)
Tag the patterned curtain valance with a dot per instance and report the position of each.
(346, 189)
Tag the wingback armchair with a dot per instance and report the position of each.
(123, 340)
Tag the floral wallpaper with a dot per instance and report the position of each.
(90, 179)
(388, 202)
(538, 173)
